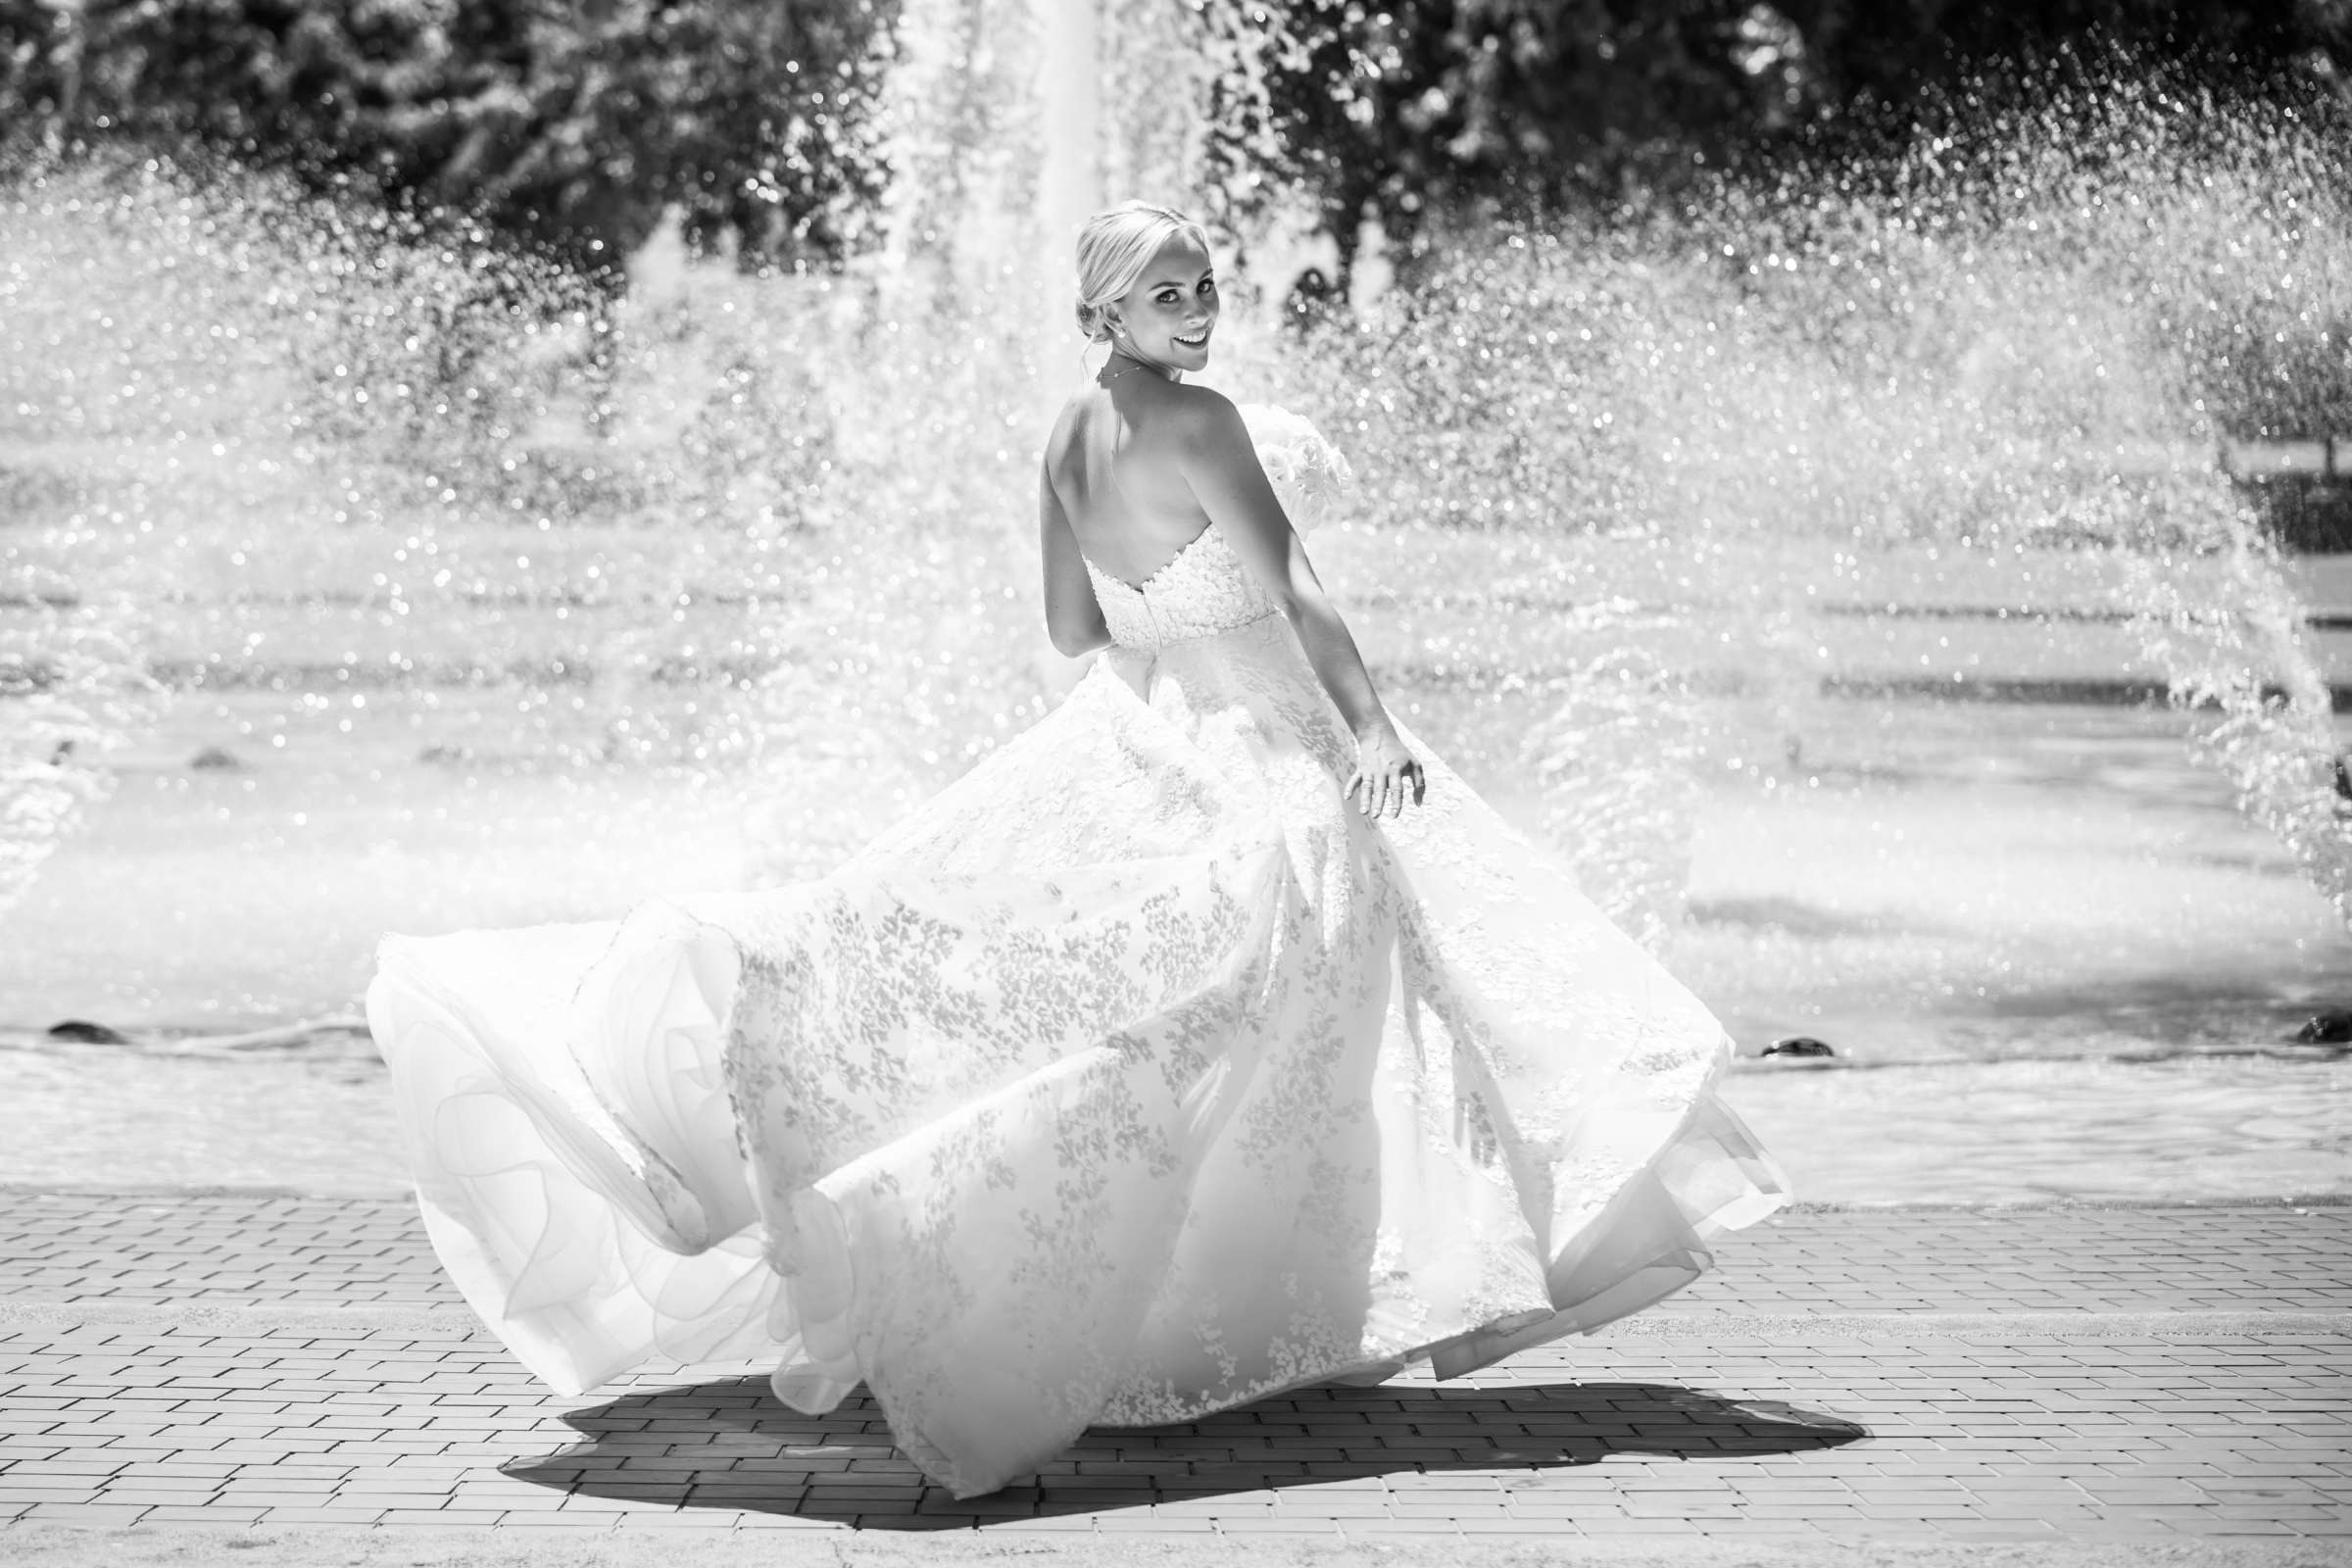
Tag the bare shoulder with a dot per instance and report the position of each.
(1062, 440)
(1065, 426)
(1208, 424)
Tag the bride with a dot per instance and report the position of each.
(1207, 1040)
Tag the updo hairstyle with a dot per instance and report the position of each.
(1113, 248)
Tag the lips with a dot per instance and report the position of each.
(1200, 342)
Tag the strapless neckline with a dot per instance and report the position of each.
(1157, 572)
(1199, 591)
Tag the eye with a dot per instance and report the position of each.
(1167, 297)
(1208, 285)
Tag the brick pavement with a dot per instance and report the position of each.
(246, 1248)
(2157, 1375)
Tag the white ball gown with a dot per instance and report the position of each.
(1133, 1076)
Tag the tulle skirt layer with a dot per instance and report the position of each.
(1133, 1077)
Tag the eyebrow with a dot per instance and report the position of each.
(1178, 282)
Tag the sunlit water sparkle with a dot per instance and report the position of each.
(505, 602)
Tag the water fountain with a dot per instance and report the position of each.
(510, 605)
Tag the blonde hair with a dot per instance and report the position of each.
(1114, 247)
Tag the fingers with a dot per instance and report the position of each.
(1405, 787)
(1386, 792)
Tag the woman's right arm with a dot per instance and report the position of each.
(1073, 616)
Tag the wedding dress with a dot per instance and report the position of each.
(1133, 1076)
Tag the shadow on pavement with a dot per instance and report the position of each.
(731, 1445)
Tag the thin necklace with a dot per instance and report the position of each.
(1132, 364)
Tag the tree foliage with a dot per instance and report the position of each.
(1394, 109)
(572, 125)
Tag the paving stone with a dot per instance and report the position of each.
(1799, 1392)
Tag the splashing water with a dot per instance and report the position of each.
(78, 686)
(333, 458)
(1975, 386)
(1643, 515)
(2268, 730)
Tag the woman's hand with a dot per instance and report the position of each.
(1387, 775)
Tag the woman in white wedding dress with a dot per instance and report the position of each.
(1202, 1042)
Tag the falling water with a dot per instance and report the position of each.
(1982, 384)
(497, 598)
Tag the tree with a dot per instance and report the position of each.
(1397, 109)
(569, 126)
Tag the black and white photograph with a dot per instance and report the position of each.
(892, 783)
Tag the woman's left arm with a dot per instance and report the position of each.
(1231, 485)
(1073, 616)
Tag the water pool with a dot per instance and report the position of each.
(2054, 959)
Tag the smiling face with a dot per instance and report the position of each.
(1167, 317)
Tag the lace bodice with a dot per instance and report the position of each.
(1203, 590)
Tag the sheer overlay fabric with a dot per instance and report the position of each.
(1133, 1076)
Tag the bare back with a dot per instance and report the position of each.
(1114, 461)
(1133, 474)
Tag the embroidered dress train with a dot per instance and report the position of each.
(1133, 1076)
